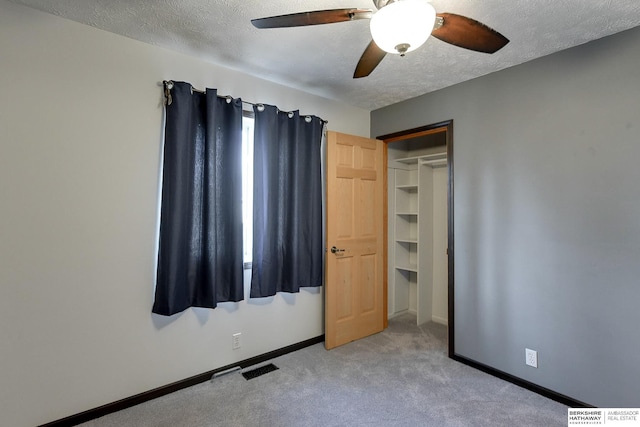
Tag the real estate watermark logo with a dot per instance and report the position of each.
(620, 417)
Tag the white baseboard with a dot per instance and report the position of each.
(436, 319)
(440, 320)
(397, 313)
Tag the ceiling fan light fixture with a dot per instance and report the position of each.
(403, 26)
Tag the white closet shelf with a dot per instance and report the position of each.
(423, 159)
(408, 267)
(407, 213)
(407, 187)
(400, 240)
(434, 163)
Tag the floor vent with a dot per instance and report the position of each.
(254, 373)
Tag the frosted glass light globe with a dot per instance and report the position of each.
(403, 26)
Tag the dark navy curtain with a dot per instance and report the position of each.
(200, 247)
(287, 202)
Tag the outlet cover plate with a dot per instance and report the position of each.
(235, 342)
(531, 357)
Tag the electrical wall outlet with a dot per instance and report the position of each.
(235, 341)
(531, 357)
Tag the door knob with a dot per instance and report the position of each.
(335, 250)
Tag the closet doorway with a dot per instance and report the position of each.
(419, 238)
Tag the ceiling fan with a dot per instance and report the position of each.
(398, 27)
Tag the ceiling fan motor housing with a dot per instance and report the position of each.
(379, 4)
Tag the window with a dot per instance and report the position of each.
(203, 265)
(247, 187)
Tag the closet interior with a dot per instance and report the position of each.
(417, 177)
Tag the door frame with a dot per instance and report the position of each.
(447, 128)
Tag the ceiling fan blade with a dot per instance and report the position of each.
(312, 18)
(369, 60)
(468, 33)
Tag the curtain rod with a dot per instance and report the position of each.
(168, 85)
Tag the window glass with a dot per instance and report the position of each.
(247, 185)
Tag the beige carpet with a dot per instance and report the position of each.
(400, 377)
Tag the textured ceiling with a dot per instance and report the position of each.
(321, 59)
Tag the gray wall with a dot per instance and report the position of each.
(547, 216)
